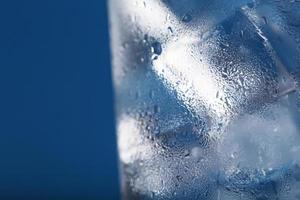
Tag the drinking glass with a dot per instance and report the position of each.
(207, 98)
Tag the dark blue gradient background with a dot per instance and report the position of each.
(57, 136)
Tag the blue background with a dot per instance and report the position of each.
(57, 137)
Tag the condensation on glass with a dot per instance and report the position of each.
(207, 98)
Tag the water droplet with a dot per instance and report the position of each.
(152, 195)
(186, 18)
(125, 45)
(168, 17)
(224, 75)
(154, 57)
(144, 3)
(170, 29)
(133, 18)
(148, 128)
(137, 95)
(242, 33)
(179, 178)
(224, 45)
(186, 153)
(152, 94)
(145, 40)
(265, 19)
(156, 48)
(250, 5)
(141, 163)
(156, 130)
(156, 109)
(196, 152)
(205, 35)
